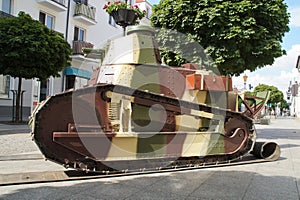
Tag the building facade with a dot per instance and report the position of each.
(295, 94)
(84, 24)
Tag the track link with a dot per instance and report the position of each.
(75, 175)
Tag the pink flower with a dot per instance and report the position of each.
(136, 6)
(108, 3)
(117, 2)
(105, 6)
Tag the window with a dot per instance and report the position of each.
(111, 21)
(130, 2)
(80, 82)
(4, 86)
(6, 6)
(79, 34)
(43, 90)
(75, 82)
(46, 19)
(70, 81)
(148, 13)
(85, 2)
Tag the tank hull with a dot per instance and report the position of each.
(78, 132)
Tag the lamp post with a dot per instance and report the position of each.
(289, 92)
(245, 77)
(124, 27)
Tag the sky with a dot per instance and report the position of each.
(283, 69)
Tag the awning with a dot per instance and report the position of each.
(77, 72)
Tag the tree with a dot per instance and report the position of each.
(284, 104)
(276, 95)
(238, 35)
(28, 49)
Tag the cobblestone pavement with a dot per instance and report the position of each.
(270, 180)
(16, 143)
(15, 139)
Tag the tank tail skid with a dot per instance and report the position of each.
(266, 150)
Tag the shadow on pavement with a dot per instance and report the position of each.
(287, 146)
(280, 133)
(196, 184)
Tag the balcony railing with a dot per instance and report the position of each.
(57, 5)
(78, 45)
(85, 13)
(4, 14)
(62, 2)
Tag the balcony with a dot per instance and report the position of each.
(77, 49)
(56, 5)
(85, 14)
(4, 14)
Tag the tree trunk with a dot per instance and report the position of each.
(18, 108)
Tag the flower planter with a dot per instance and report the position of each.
(124, 17)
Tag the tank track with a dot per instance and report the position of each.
(173, 105)
(79, 175)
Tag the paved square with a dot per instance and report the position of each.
(269, 180)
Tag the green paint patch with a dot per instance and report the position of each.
(153, 146)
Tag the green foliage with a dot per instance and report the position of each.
(28, 49)
(176, 53)
(238, 35)
(250, 93)
(284, 104)
(276, 95)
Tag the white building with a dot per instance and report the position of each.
(295, 95)
(83, 23)
(146, 6)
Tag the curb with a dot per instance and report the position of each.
(32, 156)
(15, 131)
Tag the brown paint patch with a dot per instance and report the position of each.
(92, 145)
(175, 144)
(236, 142)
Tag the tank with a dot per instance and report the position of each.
(137, 114)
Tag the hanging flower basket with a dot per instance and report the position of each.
(124, 14)
(124, 17)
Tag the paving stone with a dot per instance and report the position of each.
(269, 180)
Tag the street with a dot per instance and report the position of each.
(268, 180)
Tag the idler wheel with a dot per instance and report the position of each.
(266, 150)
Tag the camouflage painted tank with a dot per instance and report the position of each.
(139, 114)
